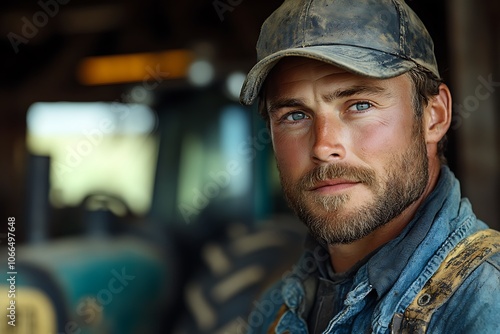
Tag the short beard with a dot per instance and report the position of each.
(405, 181)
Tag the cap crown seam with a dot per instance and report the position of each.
(303, 19)
(402, 29)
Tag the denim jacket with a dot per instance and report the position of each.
(307, 301)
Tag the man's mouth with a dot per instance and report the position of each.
(333, 185)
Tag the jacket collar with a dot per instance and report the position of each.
(384, 268)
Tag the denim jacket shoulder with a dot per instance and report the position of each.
(468, 299)
(475, 306)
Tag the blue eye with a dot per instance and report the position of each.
(295, 116)
(361, 106)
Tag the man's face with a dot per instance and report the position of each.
(350, 153)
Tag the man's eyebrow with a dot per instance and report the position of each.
(356, 90)
(277, 104)
(286, 102)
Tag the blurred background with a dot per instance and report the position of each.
(145, 196)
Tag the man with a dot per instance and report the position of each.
(358, 115)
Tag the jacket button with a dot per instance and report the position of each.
(424, 299)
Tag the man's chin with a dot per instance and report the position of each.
(335, 206)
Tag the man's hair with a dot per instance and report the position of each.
(425, 87)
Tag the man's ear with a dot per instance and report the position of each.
(437, 115)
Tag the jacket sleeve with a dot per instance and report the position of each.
(475, 306)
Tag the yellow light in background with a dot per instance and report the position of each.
(139, 67)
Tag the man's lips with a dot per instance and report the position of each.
(333, 185)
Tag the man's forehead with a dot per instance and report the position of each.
(291, 69)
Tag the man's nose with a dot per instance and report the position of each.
(328, 138)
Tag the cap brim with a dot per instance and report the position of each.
(362, 61)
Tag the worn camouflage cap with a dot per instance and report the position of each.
(374, 38)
